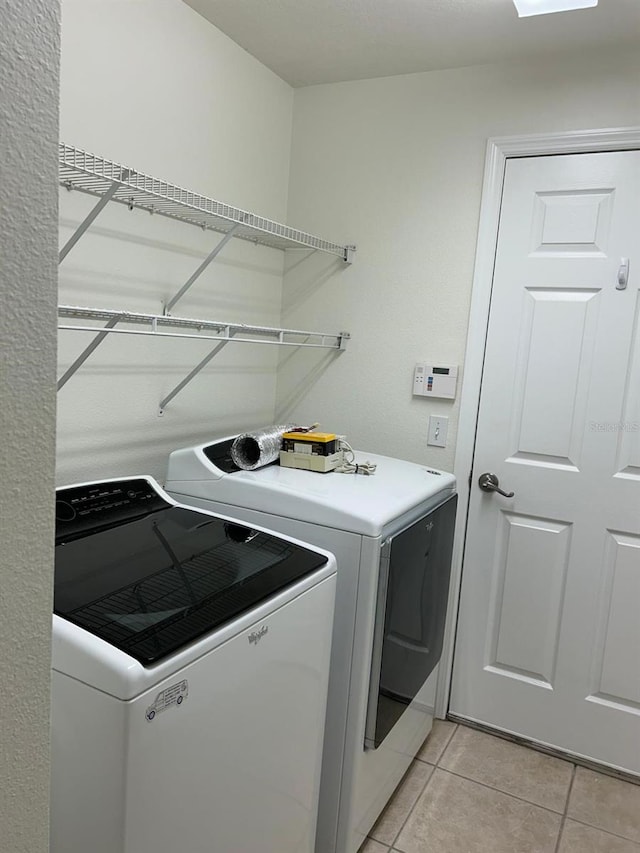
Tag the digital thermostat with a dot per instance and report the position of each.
(435, 381)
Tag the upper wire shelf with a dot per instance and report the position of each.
(91, 174)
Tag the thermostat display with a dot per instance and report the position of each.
(435, 381)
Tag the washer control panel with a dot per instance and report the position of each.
(80, 509)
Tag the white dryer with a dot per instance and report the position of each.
(190, 669)
(392, 535)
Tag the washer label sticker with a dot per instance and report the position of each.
(171, 697)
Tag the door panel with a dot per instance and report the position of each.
(628, 449)
(548, 643)
(531, 563)
(569, 318)
(618, 626)
(571, 223)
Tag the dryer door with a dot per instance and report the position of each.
(413, 588)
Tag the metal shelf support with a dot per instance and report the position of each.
(213, 254)
(80, 230)
(205, 361)
(86, 352)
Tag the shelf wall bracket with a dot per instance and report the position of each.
(205, 361)
(95, 212)
(213, 254)
(349, 252)
(84, 355)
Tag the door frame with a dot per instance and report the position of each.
(499, 150)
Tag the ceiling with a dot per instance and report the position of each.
(325, 41)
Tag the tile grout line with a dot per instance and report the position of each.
(583, 822)
(500, 791)
(564, 814)
(565, 817)
(446, 746)
(573, 777)
(409, 813)
(444, 749)
(393, 848)
(424, 788)
(552, 752)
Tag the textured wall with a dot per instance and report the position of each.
(395, 165)
(152, 85)
(29, 44)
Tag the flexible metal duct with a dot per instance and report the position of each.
(252, 450)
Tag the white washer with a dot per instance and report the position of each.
(392, 534)
(190, 670)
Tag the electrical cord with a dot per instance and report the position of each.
(349, 465)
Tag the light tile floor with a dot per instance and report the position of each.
(471, 792)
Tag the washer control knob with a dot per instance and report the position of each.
(64, 511)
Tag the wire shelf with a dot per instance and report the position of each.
(96, 176)
(179, 327)
(168, 326)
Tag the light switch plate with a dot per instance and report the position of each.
(438, 429)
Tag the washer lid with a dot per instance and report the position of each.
(154, 581)
(354, 502)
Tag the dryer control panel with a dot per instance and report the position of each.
(81, 509)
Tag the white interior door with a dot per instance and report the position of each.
(548, 643)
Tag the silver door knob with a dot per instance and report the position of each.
(490, 483)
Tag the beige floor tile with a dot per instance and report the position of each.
(578, 838)
(608, 803)
(371, 846)
(390, 821)
(509, 767)
(435, 744)
(455, 815)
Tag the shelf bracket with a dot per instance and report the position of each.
(95, 212)
(349, 252)
(84, 355)
(205, 361)
(216, 251)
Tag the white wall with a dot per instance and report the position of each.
(152, 85)
(395, 165)
(29, 43)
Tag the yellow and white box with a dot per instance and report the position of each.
(312, 451)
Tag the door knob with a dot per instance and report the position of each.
(490, 483)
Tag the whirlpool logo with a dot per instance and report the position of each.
(256, 636)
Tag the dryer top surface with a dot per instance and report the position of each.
(355, 502)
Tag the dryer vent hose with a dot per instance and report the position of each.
(252, 450)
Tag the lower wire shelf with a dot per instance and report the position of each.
(168, 326)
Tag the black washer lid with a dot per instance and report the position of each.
(150, 578)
